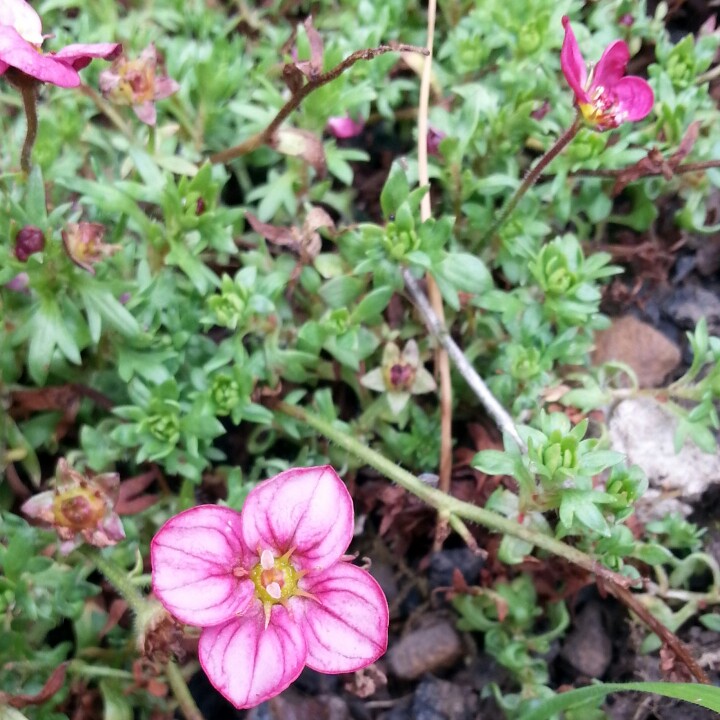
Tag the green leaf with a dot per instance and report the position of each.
(711, 621)
(35, 206)
(706, 696)
(395, 191)
(494, 462)
(116, 704)
(465, 273)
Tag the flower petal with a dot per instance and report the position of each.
(193, 556)
(164, 87)
(146, 112)
(18, 53)
(347, 628)
(21, 16)
(572, 63)
(634, 98)
(79, 55)
(611, 66)
(305, 509)
(249, 663)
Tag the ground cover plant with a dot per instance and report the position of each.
(314, 394)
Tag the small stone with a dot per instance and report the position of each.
(424, 650)
(443, 563)
(587, 646)
(290, 705)
(688, 304)
(648, 352)
(641, 430)
(442, 700)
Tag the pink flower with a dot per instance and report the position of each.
(136, 83)
(606, 98)
(20, 40)
(345, 127)
(271, 587)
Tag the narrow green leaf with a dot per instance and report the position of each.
(706, 696)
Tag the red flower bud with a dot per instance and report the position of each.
(28, 241)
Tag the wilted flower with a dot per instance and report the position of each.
(136, 83)
(345, 127)
(400, 376)
(434, 137)
(79, 508)
(20, 39)
(28, 241)
(271, 587)
(606, 97)
(84, 244)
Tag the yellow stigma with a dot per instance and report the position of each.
(275, 579)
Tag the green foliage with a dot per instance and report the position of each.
(175, 342)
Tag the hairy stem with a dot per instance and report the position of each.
(181, 692)
(143, 609)
(448, 504)
(532, 176)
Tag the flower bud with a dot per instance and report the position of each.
(28, 241)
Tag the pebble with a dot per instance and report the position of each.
(587, 646)
(426, 649)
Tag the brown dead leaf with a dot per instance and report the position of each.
(655, 163)
(312, 68)
(51, 686)
(301, 143)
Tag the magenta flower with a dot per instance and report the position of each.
(20, 39)
(271, 587)
(606, 97)
(344, 127)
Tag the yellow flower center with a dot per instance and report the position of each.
(275, 579)
(78, 509)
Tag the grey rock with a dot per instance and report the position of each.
(588, 647)
(424, 650)
(441, 700)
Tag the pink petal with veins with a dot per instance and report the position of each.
(635, 97)
(19, 15)
(305, 509)
(572, 63)
(80, 55)
(193, 556)
(249, 663)
(347, 628)
(611, 66)
(18, 53)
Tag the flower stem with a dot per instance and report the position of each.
(447, 503)
(142, 607)
(265, 136)
(119, 579)
(532, 176)
(29, 96)
(181, 692)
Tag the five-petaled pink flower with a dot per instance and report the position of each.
(20, 39)
(606, 97)
(271, 586)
